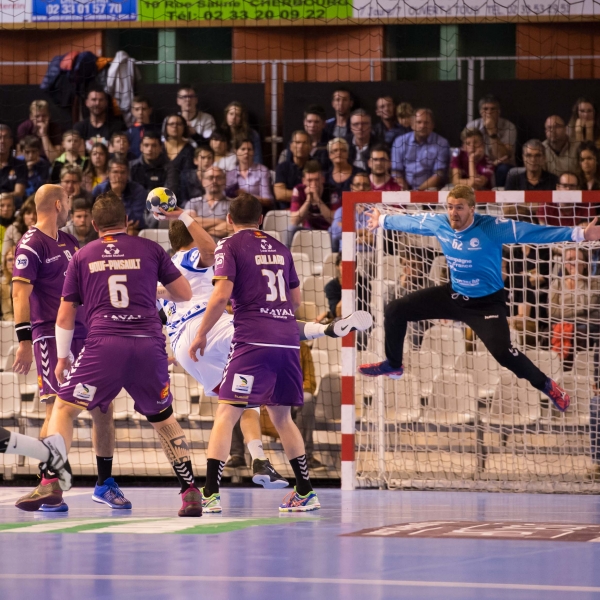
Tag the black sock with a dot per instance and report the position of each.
(300, 467)
(185, 475)
(104, 464)
(214, 470)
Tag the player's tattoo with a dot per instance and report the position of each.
(174, 444)
(161, 292)
(75, 304)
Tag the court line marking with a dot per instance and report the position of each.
(305, 580)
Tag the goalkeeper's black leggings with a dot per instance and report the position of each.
(486, 316)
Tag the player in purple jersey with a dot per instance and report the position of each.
(115, 279)
(41, 260)
(257, 273)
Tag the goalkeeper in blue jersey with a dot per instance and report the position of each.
(472, 244)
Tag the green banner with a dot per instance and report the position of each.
(228, 10)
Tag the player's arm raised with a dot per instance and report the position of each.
(204, 242)
(65, 328)
(24, 355)
(215, 308)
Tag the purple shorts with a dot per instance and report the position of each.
(44, 352)
(108, 364)
(262, 375)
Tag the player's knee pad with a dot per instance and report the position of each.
(161, 416)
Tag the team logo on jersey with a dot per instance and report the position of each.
(51, 260)
(219, 259)
(474, 243)
(111, 250)
(84, 391)
(242, 384)
(164, 393)
(260, 234)
(107, 239)
(40, 382)
(266, 247)
(22, 262)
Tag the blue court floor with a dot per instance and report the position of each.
(251, 552)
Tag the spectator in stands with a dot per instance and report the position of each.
(96, 169)
(420, 158)
(339, 126)
(150, 169)
(6, 286)
(80, 224)
(236, 127)
(71, 179)
(249, 176)
(380, 167)
(405, 115)
(288, 174)
(314, 125)
(565, 214)
(224, 158)
(561, 153)
(311, 203)
(305, 415)
(589, 177)
(190, 182)
(339, 175)
(470, 165)
(40, 125)
(388, 128)
(178, 149)
(584, 125)
(211, 209)
(100, 125)
(132, 194)
(499, 135)
(119, 146)
(24, 221)
(534, 177)
(7, 214)
(201, 125)
(71, 143)
(363, 139)
(38, 168)
(141, 111)
(364, 238)
(13, 171)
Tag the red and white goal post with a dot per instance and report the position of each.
(457, 420)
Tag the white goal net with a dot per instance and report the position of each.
(457, 419)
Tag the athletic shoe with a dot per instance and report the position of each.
(62, 507)
(559, 397)
(314, 464)
(58, 463)
(381, 368)
(294, 502)
(110, 493)
(191, 503)
(212, 504)
(267, 476)
(47, 493)
(360, 320)
(236, 462)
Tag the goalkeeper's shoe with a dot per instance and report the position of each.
(294, 502)
(212, 504)
(264, 474)
(381, 368)
(191, 503)
(559, 397)
(360, 320)
(58, 463)
(110, 493)
(47, 494)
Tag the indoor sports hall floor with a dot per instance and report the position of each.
(252, 552)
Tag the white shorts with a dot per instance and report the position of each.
(208, 371)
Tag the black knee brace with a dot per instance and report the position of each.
(161, 416)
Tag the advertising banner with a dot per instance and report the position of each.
(84, 10)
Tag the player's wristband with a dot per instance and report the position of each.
(382, 221)
(23, 331)
(186, 218)
(578, 234)
(64, 337)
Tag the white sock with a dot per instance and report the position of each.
(256, 450)
(27, 446)
(314, 330)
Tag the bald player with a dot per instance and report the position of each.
(41, 260)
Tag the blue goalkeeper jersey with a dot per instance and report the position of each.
(474, 255)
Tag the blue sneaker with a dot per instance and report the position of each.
(294, 502)
(62, 507)
(559, 397)
(381, 368)
(111, 495)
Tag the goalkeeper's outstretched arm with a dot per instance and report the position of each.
(420, 224)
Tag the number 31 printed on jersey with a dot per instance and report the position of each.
(275, 280)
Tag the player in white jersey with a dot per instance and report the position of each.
(194, 257)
